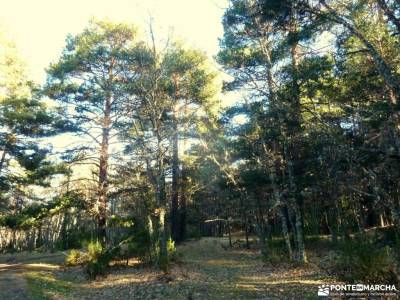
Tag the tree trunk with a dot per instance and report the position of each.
(246, 232)
(293, 156)
(261, 227)
(285, 232)
(329, 222)
(2, 159)
(163, 252)
(182, 208)
(151, 248)
(262, 234)
(39, 239)
(301, 251)
(103, 173)
(175, 220)
(183, 182)
(245, 221)
(229, 232)
(381, 220)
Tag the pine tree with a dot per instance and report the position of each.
(89, 81)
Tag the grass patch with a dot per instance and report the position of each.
(44, 285)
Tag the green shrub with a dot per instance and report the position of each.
(275, 256)
(95, 249)
(364, 261)
(275, 253)
(171, 249)
(95, 259)
(98, 259)
(76, 258)
(139, 245)
(125, 250)
(74, 238)
(142, 246)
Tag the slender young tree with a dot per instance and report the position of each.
(191, 90)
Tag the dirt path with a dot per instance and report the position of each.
(240, 274)
(12, 283)
(13, 268)
(205, 270)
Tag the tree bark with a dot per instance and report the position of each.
(285, 232)
(2, 159)
(183, 182)
(301, 251)
(261, 227)
(161, 204)
(103, 173)
(263, 239)
(182, 207)
(293, 158)
(175, 220)
(229, 232)
(163, 252)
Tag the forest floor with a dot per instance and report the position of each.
(206, 269)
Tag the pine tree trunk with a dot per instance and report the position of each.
(229, 233)
(262, 234)
(301, 251)
(183, 182)
(293, 156)
(163, 252)
(103, 173)
(245, 222)
(149, 227)
(246, 232)
(261, 226)
(39, 239)
(285, 232)
(182, 209)
(2, 159)
(175, 220)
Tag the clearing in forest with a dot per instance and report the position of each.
(205, 270)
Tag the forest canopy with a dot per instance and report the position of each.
(309, 147)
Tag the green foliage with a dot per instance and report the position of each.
(364, 261)
(76, 258)
(98, 259)
(95, 250)
(123, 222)
(24, 117)
(276, 252)
(138, 245)
(171, 249)
(316, 135)
(88, 55)
(143, 244)
(33, 215)
(275, 256)
(75, 237)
